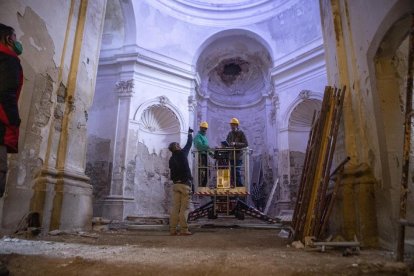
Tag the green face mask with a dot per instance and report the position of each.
(18, 48)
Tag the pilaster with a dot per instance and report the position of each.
(115, 205)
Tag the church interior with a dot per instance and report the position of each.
(109, 84)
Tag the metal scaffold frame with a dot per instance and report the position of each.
(226, 182)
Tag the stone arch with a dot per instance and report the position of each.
(388, 37)
(158, 123)
(223, 34)
(389, 96)
(300, 123)
(296, 124)
(233, 69)
(308, 101)
(387, 61)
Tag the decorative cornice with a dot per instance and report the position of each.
(222, 13)
(150, 59)
(298, 58)
(300, 66)
(252, 103)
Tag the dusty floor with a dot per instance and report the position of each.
(212, 250)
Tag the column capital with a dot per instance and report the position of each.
(124, 88)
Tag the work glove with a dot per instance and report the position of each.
(190, 130)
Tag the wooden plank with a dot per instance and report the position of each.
(309, 172)
(310, 217)
(325, 182)
(309, 148)
(328, 209)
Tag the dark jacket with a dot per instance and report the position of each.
(179, 168)
(11, 81)
(237, 136)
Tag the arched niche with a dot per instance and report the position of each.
(159, 123)
(233, 67)
(309, 100)
(297, 125)
(300, 123)
(223, 35)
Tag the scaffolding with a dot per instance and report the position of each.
(223, 175)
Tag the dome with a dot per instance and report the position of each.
(219, 12)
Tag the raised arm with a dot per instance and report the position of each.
(187, 146)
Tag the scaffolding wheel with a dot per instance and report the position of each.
(211, 215)
(239, 214)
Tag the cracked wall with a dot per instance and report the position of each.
(153, 187)
(99, 169)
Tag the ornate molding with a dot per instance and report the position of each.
(125, 88)
(158, 118)
(192, 103)
(163, 100)
(201, 91)
(305, 94)
(275, 104)
(199, 116)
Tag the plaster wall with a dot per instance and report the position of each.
(359, 33)
(59, 78)
(149, 130)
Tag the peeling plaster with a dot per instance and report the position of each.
(153, 187)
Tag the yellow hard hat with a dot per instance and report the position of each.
(234, 121)
(204, 124)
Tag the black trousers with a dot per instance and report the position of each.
(203, 170)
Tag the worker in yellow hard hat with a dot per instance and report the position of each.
(237, 140)
(203, 148)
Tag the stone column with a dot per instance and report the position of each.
(360, 137)
(117, 202)
(356, 214)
